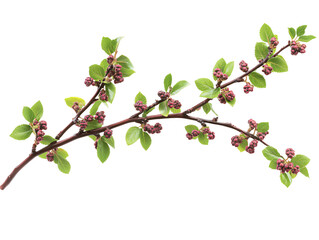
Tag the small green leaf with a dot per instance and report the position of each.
(300, 160)
(179, 86)
(125, 62)
(292, 32)
(232, 102)
(266, 33)
(257, 80)
(285, 179)
(273, 164)
(61, 152)
(261, 50)
(147, 112)
(103, 150)
(71, 100)
(132, 135)
(47, 140)
(43, 155)
(221, 64)
(304, 171)
(202, 138)
(110, 91)
(37, 109)
(104, 64)
(263, 127)
(21, 132)
(278, 64)
(242, 146)
(63, 164)
(190, 128)
(163, 108)
(106, 45)
(204, 84)
(28, 114)
(229, 68)
(271, 153)
(93, 125)
(96, 72)
(126, 72)
(301, 30)
(95, 107)
(109, 141)
(173, 110)
(305, 38)
(167, 81)
(213, 93)
(207, 107)
(145, 139)
(115, 43)
(140, 97)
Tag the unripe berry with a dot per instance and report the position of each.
(139, 106)
(289, 166)
(261, 136)
(110, 59)
(281, 165)
(117, 68)
(76, 106)
(296, 169)
(221, 98)
(108, 133)
(43, 125)
(230, 95)
(250, 149)
(243, 66)
(35, 122)
(273, 42)
(100, 116)
(170, 103)
(40, 133)
(189, 136)
(253, 143)
(103, 96)
(290, 152)
(206, 131)
(248, 88)
(236, 140)
(252, 123)
(177, 104)
(88, 118)
(267, 69)
(50, 156)
(162, 95)
(83, 124)
(211, 136)
(195, 133)
(88, 81)
(158, 127)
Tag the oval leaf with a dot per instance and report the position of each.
(167, 81)
(271, 153)
(203, 139)
(204, 84)
(132, 135)
(163, 108)
(285, 179)
(140, 97)
(145, 139)
(95, 107)
(266, 33)
(21, 132)
(300, 160)
(221, 63)
(278, 64)
(301, 30)
(28, 114)
(307, 38)
(179, 86)
(213, 93)
(257, 80)
(103, 150)
(261, 50)
(292, 32)
(71, 100)
(229, 68)
(96, 72)
(263, 127)
(37, 109)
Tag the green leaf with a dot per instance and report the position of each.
(163, 108)
(107, 46)
(126, 72)
(190, 128)
(37, 109)
(271, 153)
(261, 50)
(109, 141)
(173, 110)
(266, 33)
(132, 135)
(273, 164)
(300, 160)
(278, 64)
(147, 112)
(43, 155)
(263, 127)
(110, 91)
(202, 138)
(140, 97)
(221, 64)
(179, 86)
(103, 150)
(96, 72)
(125, 62)
(71, 100)
(301, 30)
(93, 125)
(213, 93)
(242, 146)
(229, 68)
(21, 132)
(304, 171)
(257, 80)
(95, 107)
(204, 84)
(292, 32)
(285, 179)
(28, 114)
(167, 81)
(63, 164)
(145, 139)
(104, 64)
(115, 43)
(232, 102)
(61, 152)
(305, 38)
(214, 111)
(207, 107)
(47, 140)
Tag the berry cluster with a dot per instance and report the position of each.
(226, 94)
(114, 70)
(153, 129)
(285, 165)
(297, 47)
(248, 87)
(76, 107)
(252, 124)
(100, 116)
(267, 69)
(261, 135)
(50, 156)
(38, 128)
(163, 95)
(108, 133)
(171, 103)
(251, 147)
(243, 66)
(195, 133)
(103, 96)
(290, 152)
(273, 42)
(236, 140)
(83, 124)
(139, 106)
(220, 75)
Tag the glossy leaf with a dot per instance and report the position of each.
(167, 81)
(257, 80)
(266, 33)
(304, 171)
(103, 150)
(93, 125)
(242, 146)
(96, 72)
(204, 84)
(95, 107)
(305, 38)
(125, 62)
(37, 109)
(21, 132)
(47, 139)
(179, 86)
(173, 110)
(132, 135)
(273, 164)
(126, 72)
(104, 64)
(145, 139)
(278, 64)
(203, 139)
(213, 93)
(292, 32)
(207, 107)
(109, 141)
(285, 179)
(106, 45)
(229, 68)
(63, 164)
(28, 114)
(163, 108)
(261, 50)
(71, 100)
(271, 153)
(263, 127)
(190, 128)
(110, 91)
(301, 30)
(300, 160)
(140, 97)
(221, 64)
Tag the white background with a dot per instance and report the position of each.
(178, 189)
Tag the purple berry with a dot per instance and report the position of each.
(189, 136)
(88, 81)
(108, 133)
(83, 124)
(43, 125)
(110, 59)
(139, 106)
(88, 118)
(100, 116)
(50, 156)
(252, 123)
(195, 133)
(290, 152)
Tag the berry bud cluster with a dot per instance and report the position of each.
(285, 165)
(100, 116)
(297, 47)
(103, 96)
(163, 95)
(252, 124)
(76, 107)
(243, 66)
(38, 128)
(290, 152)
(108, 133)
(171, 103)
(50, 156)
(273, 42)
(261, 135)
(195, 133)
(236, 140)
(267, 69)
(251, 147)
(248, 88)
(226, 94)
(220, 75)
(90, 81)
(139, 106)
(153, 129)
